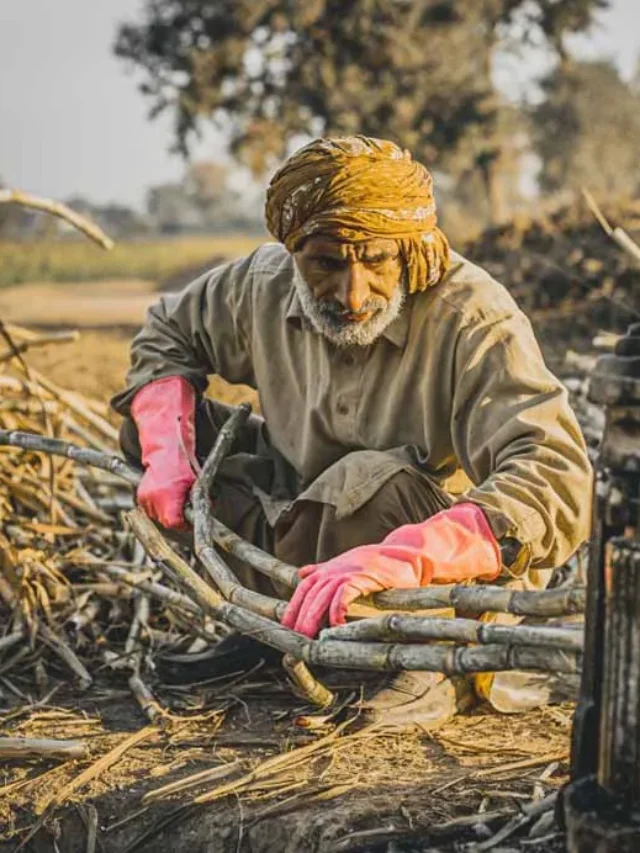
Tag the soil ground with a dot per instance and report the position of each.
(108, 313)
(369, 790)
(370, 786)
(93, 304)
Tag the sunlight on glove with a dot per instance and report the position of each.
(453, 546)
(164, 412)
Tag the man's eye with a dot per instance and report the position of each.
(329, 264)
(378, 263)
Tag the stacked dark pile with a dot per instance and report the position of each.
(569, 276)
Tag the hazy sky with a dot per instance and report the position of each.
(72, 120)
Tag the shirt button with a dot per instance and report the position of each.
(343, 409)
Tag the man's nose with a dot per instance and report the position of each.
(355, 290)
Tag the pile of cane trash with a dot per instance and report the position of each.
(577, 267)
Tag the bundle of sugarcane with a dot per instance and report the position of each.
(63, 542)
(417, 642)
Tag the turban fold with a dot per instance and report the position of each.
(357, 188)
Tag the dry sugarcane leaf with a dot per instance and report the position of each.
(50, 530)
(210, 775)
(43, 601)
(99, 766)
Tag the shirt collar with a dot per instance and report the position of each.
(397, 331)
(295, 311)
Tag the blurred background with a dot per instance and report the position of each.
(163, 120)
(168, 116)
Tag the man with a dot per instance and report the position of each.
(384, 363)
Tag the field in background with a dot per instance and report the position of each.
(97, 363)
(118, 303)
(79, 260)
(75, 284)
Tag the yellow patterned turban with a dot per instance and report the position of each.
(357, 188)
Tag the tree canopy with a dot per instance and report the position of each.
(415, 71)
(586, 130)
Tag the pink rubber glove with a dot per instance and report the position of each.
(455, 545)
(164, 412)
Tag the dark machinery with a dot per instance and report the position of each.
(601, 805)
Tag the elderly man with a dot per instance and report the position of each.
(385, 363)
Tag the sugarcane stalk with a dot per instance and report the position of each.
(472, 599)
(149, 705)
(407, 629)
(21, 747)
(378, 656)
(66, 654)
(306, 683)
(42, 340)
(449, 659)
(56, 208)
(83, 455)
(258, 559)
(219, 572)
(10, 640)
(132, 645)
(481, 598)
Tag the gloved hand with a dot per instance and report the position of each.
(455, 545)
(164, 412)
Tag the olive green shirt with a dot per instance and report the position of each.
(457, 381)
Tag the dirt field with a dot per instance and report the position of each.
(107, 313)
(360, 790)
(94, 304)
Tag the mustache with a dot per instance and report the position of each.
(339, 312)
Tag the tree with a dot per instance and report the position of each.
(204, 200)
(416, 71)
(206, 185)
(118, 220)
(171, 209)
(586, 130)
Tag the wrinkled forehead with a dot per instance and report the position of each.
(326, 244)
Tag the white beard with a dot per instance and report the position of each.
(328, 317)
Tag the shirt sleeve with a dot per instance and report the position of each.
(517, 438)
(204, 329)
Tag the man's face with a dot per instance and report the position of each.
(353, 290)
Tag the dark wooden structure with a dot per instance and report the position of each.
(601, 806)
